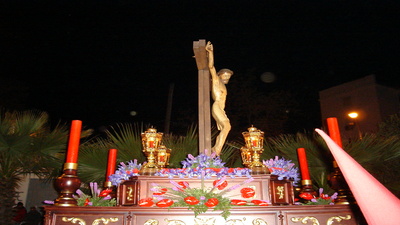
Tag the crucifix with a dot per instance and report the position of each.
(204, 55)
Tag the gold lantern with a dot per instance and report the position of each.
(163, 154)
(246, 155)
(254, 140)
(151, 140)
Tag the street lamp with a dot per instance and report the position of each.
(354, 116)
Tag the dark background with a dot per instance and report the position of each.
(97, 61)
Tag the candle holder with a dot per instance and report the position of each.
(110, 189)
(150, 141)
(163, 155)
(338, 183)
(67, 184)
(254, 140)
(307, 187)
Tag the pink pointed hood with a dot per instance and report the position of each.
(377, 203)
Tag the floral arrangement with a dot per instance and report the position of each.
(204, 166)
(98, 197)
(323, 199)
(283, 169)
(125, 171)
(200, 199)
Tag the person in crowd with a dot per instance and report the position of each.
(20, 213)
(33, 217)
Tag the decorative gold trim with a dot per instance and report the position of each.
(280, 192)
(107, 184)
(105, 221)
(151, 222)
(338, 219)
(174, 222)
(306, 182)
(235, 221)
(304, 220)
(70, 166)
(204, 221)
(58, 204)
(73, 220)
(129, 195)
(259, 221)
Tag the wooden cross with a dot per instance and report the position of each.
(200, 55)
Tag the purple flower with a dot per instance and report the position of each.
(283, 169)
(321, 191)
(80, 193)
(48, 202)
(125, 171)
(334, 196)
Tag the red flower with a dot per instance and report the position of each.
(211, 202)
(192, 200)
(165, 202)
(183, 184)
(247, 192)
(161, 191)
(216, 169)
(221, 186)
(325, 196)
(146, 202)
(306, 196)
(238, 202)
(105, 192)
(86, 202)
(259, 202)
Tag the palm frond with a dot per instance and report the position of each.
(181, 146)
(92, 163)
(127, 139)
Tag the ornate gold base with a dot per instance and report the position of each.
(149, 171)
(259, 170)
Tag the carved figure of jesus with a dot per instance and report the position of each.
(219, 93)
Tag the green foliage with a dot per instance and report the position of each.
(95, 201)
(93, 154)
(377, 154)
(127, 139)
(27, 145)
(182, 146)
(380, 156)
(390, 127)
(318, 155)
(224, 204)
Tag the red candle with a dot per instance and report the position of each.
(112, 160)
(301, 154)
(254, 143)
(333, 130)
(73, 143)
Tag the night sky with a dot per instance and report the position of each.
(98, 61)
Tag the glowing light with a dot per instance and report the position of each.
(353, 115)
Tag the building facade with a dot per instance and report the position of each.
(372, 102)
